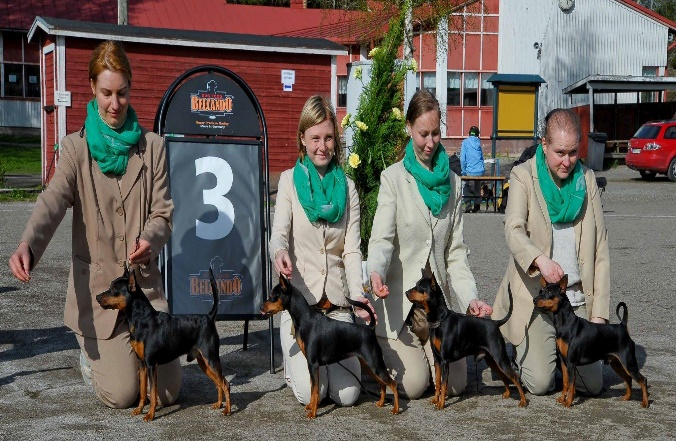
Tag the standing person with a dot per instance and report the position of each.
(418, 222)
(113, 174)
(472, 164)
(554, 226)
(315, 242)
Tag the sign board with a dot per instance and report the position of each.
(62, 98)
(218, 184)
(212, 104)
(217, 223)
(517, 107)
(288, 80)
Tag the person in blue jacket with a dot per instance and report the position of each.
(472, 164)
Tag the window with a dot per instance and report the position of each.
(342, 91)
(453, 88)
(429, 82)
(20, 66)
(487, 90)
(469, 95)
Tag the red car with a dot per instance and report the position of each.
(652, 150)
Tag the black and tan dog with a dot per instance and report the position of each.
(580, 342)
(158, 338)
(455, 336)
(324, 341)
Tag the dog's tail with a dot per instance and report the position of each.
(214, 291)
(503, 320)
(364, 306)
(625, 313)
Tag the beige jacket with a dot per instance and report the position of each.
(106, 220)
(326, 257)
(404, 236)
(528, 231)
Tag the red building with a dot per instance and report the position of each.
(159, 56)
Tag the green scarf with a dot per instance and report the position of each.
(110, 147)
(434, 186)
(564, 204)
(320, 198)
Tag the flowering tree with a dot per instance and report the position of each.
(378, 125)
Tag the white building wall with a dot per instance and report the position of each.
(596, 37)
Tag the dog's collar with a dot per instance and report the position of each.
(434, 325)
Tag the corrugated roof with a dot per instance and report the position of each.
(181, 37)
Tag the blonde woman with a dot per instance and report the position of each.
(315, 242)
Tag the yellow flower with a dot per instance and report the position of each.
(346, 120)
(361, 126)
(354, 160)
(413, 65)
(357, 72)
(396, 112)
(373, 52)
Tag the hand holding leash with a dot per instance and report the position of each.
(142, 252)
(377, 287)
(551, 271)
(283, 263)
(479, 308)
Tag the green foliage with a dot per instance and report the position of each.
(20, 159)
(379, 126)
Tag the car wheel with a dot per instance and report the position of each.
(648, 176)
(671, 172)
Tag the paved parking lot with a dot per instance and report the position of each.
(42, 395)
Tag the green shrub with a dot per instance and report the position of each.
(378, 124)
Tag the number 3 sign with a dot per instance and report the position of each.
(222, 226)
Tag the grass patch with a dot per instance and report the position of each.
(17, 195)
(20, 159)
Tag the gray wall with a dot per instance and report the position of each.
(603, 37)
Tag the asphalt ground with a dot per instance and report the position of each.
(43, 397)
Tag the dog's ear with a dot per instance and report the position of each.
(126, 270)
(284, 283)
(543, 282)
(427, 271)
(131, 285)
(563, 283)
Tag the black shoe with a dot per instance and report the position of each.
(477, 207)
(468, 209)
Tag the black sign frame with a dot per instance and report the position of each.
(212, 107)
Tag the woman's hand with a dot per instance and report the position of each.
(283, 263)
(362, 313)
(141, 254)
(377, 287)
(550, 270)
(479, 308)
(20, 262)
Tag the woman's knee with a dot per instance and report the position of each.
(117, 394)
(413, 386)
(538, 383)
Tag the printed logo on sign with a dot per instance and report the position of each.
(229, 284)
(211, 102)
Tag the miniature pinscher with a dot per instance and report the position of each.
(325, 341)
(454, 336)
(158, 338)
(581, 342)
